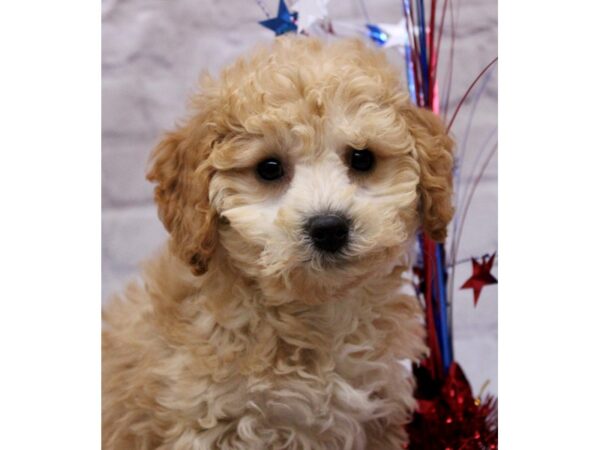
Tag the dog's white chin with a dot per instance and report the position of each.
(329, 279)
(292, 271)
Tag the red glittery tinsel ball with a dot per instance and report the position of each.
(448, 417)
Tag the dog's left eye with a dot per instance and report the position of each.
(362, 160)
(270, 169)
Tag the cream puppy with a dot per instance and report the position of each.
(275, 319)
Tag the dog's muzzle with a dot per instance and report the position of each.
(329, 232)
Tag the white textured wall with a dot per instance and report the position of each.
(152, 54)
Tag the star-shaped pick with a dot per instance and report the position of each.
(481, 276)
(309, 11)
(285, 21)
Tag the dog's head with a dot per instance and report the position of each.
(308, 166)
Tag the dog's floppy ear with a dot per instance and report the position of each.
(181, 168)
(434, 154)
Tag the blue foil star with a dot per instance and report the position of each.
(379, 36)
(285, 21)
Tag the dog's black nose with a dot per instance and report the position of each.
(328, 232)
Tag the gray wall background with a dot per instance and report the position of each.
(153, 52)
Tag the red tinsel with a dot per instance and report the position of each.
(449, 417)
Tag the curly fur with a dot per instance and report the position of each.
(243, 336)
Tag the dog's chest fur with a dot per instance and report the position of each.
(235, 374)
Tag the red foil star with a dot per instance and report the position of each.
(481, 276)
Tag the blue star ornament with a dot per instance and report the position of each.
(285, 21)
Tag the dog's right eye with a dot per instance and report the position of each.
(270, 169)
